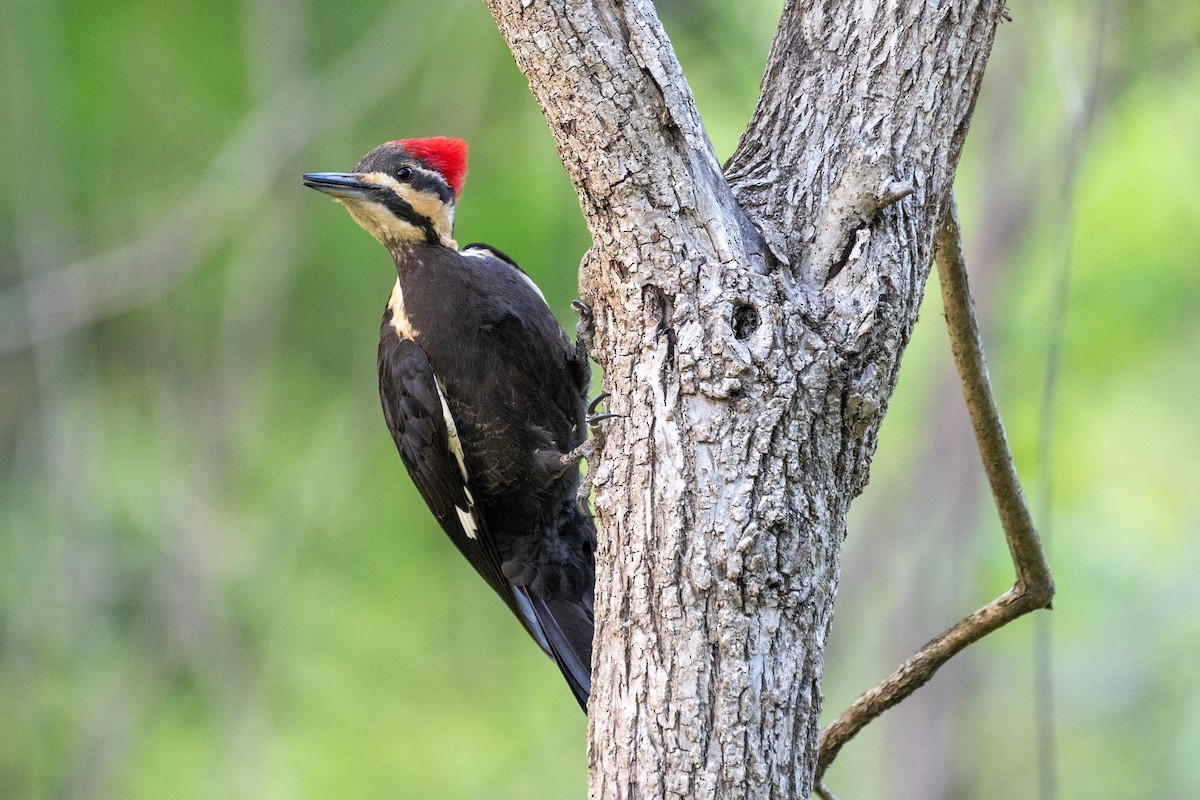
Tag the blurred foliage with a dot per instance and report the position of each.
(215, 580)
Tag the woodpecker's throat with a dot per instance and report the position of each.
(401, 213)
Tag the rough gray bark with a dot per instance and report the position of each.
(750, 329)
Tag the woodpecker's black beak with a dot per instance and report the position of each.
(341, 184)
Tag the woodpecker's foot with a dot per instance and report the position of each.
(596, 433)
(571, 459)
(585, 333)
(594, 419)
(584, 492)
(592, 445)
(585, 328)
(587, 450)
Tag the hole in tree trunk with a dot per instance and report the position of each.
(745, 320)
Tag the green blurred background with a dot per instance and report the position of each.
(215, 579)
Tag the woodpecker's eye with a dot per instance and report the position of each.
(405, 174)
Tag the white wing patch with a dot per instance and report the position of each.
(467, 520)
(466, 517)
(452, 431)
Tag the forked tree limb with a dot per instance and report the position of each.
(749, 324)
(1034, 587)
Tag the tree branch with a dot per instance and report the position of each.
(1034, 587)
(1033, 574)
(848, 101)
(625, 121)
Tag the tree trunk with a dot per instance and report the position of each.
(750, 325)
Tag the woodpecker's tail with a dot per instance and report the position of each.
(564, 630)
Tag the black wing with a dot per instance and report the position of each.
(423, 430)
(567, 630)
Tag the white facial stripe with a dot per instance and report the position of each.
(389, 180)
(384, 179)
(426, 204)
(381, 223)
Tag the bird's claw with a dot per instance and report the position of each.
(583, 311)
(585, 331)
(597, 400)
(592, 416)
(592, 446)
(586, 481)
(593, 419)
(585, 326)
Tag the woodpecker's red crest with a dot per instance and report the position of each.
(444, 154)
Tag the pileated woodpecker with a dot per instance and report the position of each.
(484, 394)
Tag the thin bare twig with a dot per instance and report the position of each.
(822, 791)
(1034, 587)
